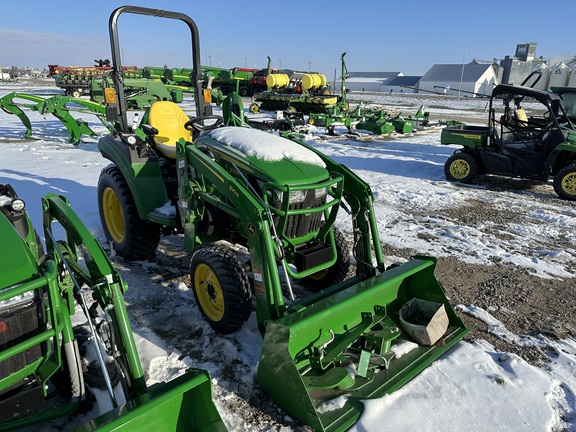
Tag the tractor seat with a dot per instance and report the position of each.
(169, 119)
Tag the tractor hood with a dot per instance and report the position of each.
(278, 159)
(18, 264)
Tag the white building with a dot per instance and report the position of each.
(367, 81)
(472, 79)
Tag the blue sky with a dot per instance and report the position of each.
(376, 35)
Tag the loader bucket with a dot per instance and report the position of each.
(338, 346)
(181, 405)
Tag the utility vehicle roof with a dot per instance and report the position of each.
(562, 90)
(540, 95)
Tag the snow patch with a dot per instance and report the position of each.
(265, 146)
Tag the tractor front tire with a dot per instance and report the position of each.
(337, 272)
(221, 288)
(461, 167)
(565, 183)
(132, 237)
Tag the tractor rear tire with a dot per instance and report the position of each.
(221, 288)
(337, 272)
(565, 183)
(132, 237)
(461, 167)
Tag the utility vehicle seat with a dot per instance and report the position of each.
(169, 119)
(521, 117)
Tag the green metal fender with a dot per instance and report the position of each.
(142, 174)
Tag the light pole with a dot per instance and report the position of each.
(217, 49)
(309, 66)
(280, 64)
(462, 73)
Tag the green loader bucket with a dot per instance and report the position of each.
(322, 360)
(181, 405)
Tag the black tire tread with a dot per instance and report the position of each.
(142, 237)
(558, 182)
(474, 169)
(234, 283)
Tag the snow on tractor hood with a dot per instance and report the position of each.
(265, 146)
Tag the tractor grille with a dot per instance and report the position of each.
(301, 224)
(18, 324)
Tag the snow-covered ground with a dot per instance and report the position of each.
(472, 388)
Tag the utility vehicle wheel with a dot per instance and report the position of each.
(75, 93)
(221, 288)
(461, 167)
(339, 270)
(565, 183)
(132, 237)
(254, 108)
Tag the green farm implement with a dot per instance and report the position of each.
(43, 375)
(363, 118)
(379, 121)
(330, 337)
(77, 80)
(304, 92)
(139, 93)
(59, 106)
(338, 113)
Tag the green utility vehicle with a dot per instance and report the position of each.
(43, 373)
(529, 135)
(230, 189)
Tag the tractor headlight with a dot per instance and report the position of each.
(297, 196)
(18, 205)
(318, 193)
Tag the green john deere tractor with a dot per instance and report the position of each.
(225, 188)
(43, 373)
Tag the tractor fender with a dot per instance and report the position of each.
(142, 175)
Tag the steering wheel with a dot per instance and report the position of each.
(194, 125)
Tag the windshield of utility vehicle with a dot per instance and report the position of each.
(569, 104)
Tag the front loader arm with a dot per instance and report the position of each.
(198, 176)
(97, 272)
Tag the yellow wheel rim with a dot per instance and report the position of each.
(569, 183)
(319, 275)
(113, 215)
(209, 292)
(459, 169)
